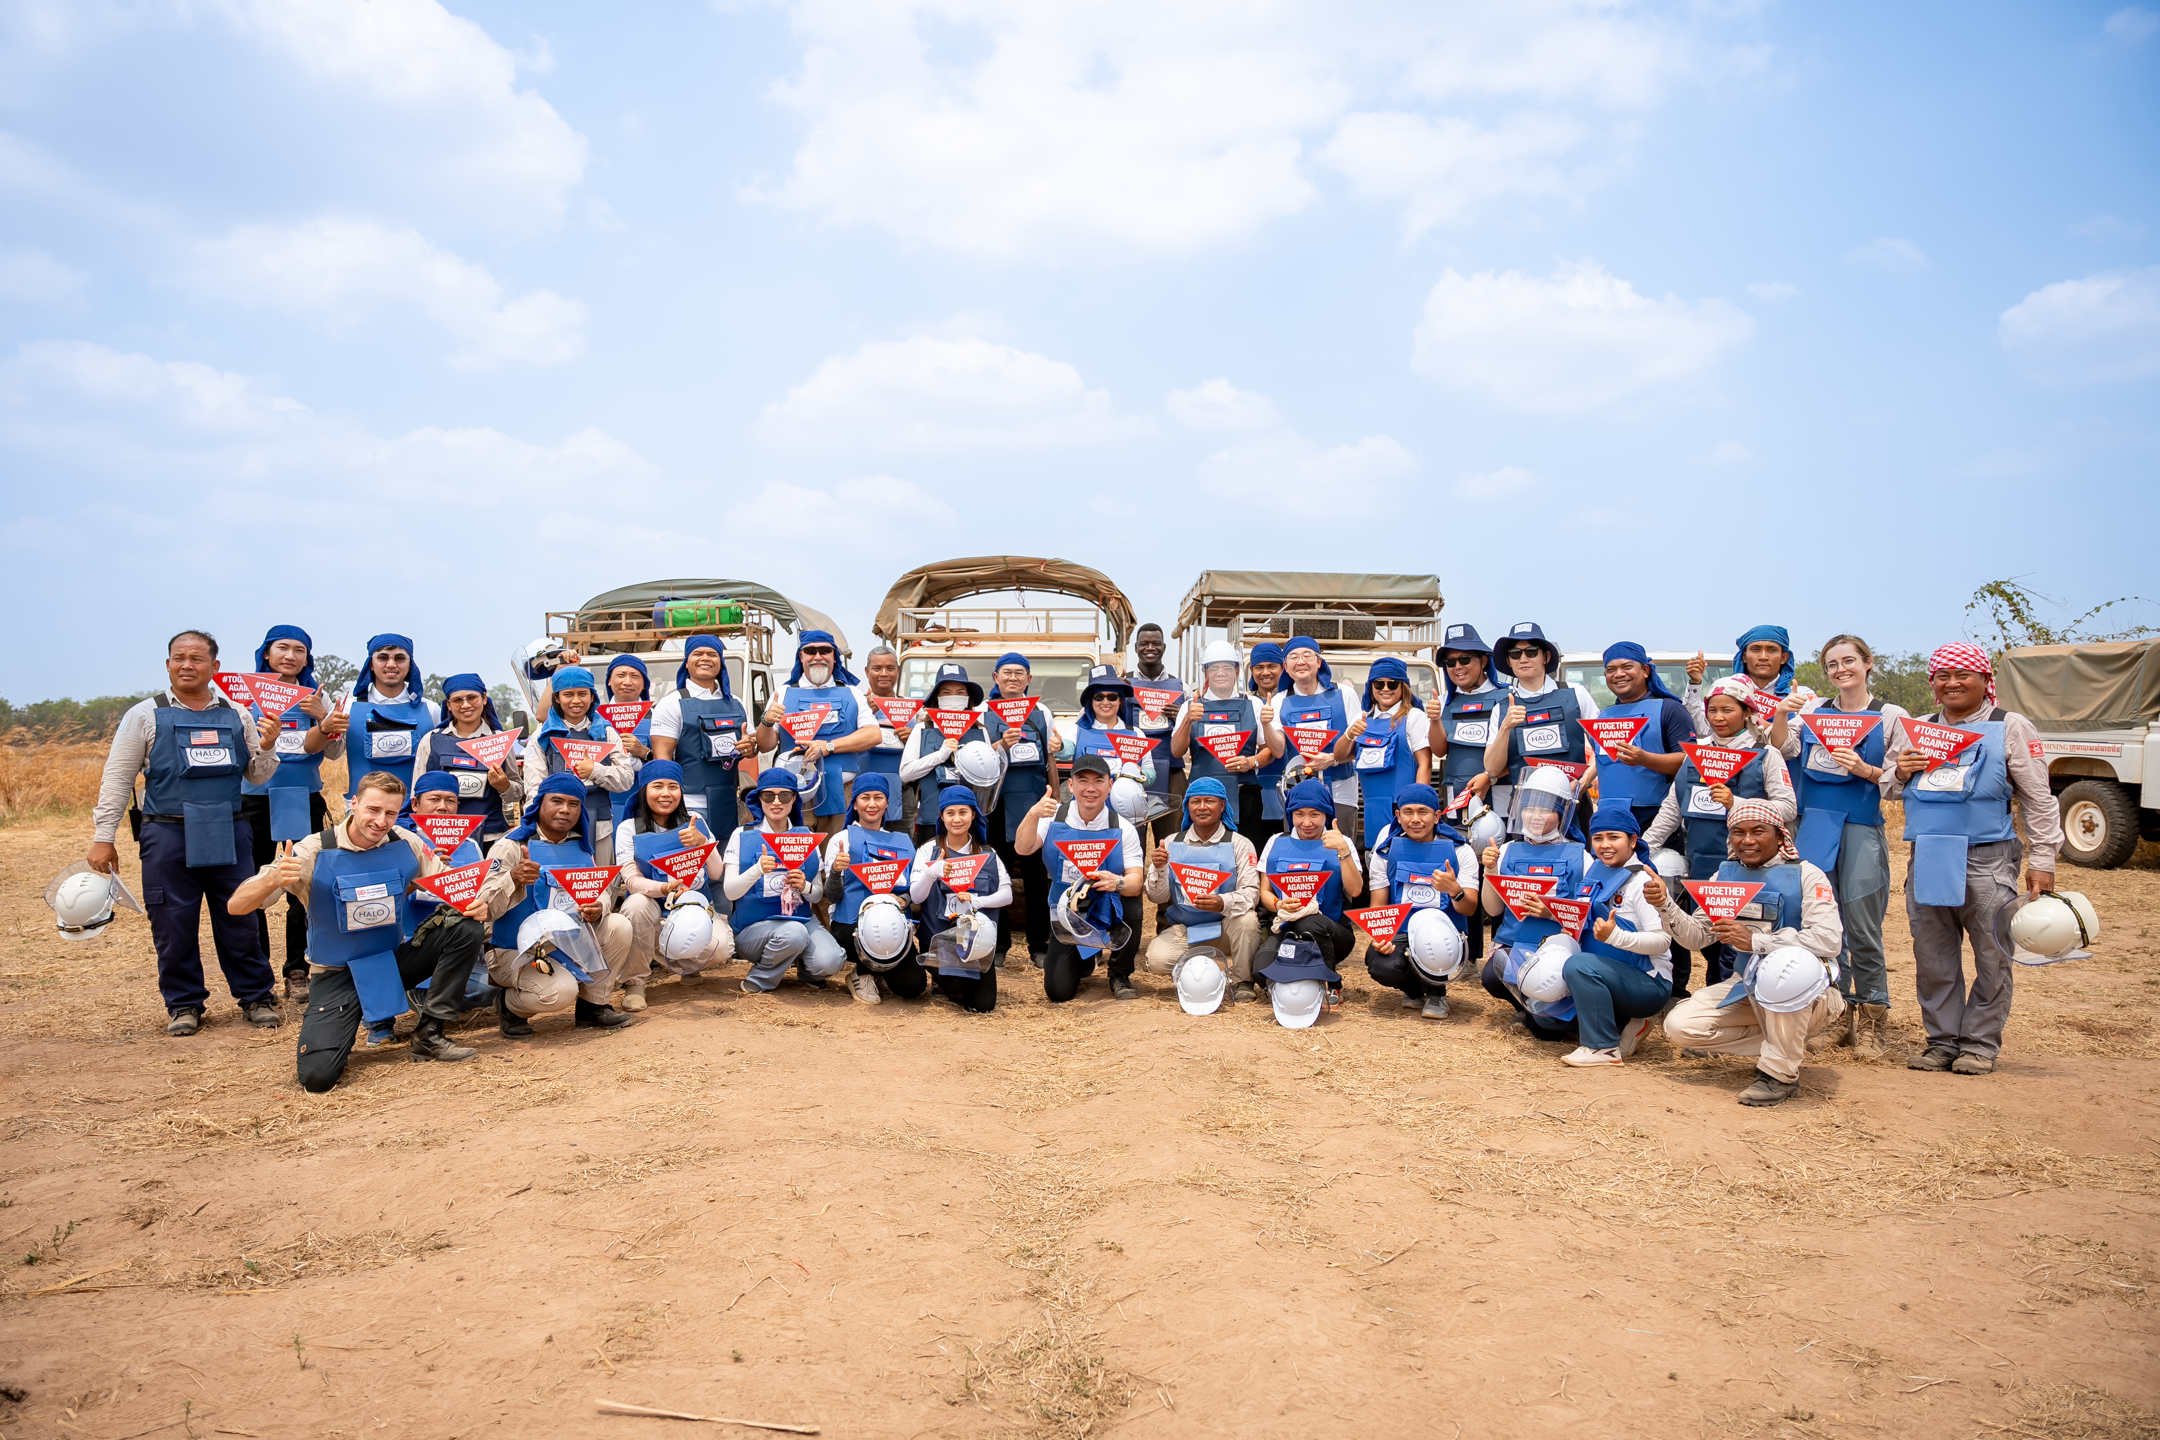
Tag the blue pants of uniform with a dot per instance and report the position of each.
(173, 895)
(1607, 994)
(771, 946)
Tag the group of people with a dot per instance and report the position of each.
(1508, 827)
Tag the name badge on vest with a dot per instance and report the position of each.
(292, 741)
(1818, 758)
(1702, 802)
(1952, 779)
(470, 786)
(719, 741)
(390, 744)
(207, 747)
(1025, 752)
(370, 908)
(1539, 738)
(1420, 894)
(560, 899)
(1372, 757)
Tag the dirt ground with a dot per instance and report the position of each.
(907, 1221)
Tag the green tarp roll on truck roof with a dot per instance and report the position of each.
(2111, 685)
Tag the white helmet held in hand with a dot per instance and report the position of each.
(1200, 980)
(970, 943)
(2056, 924)
(82, 903)
(1129, 798)
(687, 933)
(1543, 979)
(1671, 866)
(980, 763)
(1436, 946)
(1786, 979)
(882, 929)
(809, 777)
(1487, 829)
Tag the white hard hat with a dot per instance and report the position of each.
(1786, 979)
(1297, 1002)
(882, 928)
(1436, 946)
(1220, 652)
(809, 777)
(541, 646)
(688, 930)
(1129, 798)
(2055, 924)
(1296, 769)
(1548, 780)
(1543, 978)
(1672, 866)
(1487, 829)
(1200, 981)
(969, 943)
(82, 904)
(980, 763)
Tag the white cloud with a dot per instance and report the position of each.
(1728, 452)
(343, 271)
(2130, 26)
(34, 277)
(1219, 405)
(1580, 340)
(1887, 252)
(1773, 291)
(1444, 170)
(1496, 484)
(2104, 327)
(1285, 468)
(937, 393)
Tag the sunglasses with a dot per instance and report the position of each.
(816, 654)
(1387, 684)
(1521, 652)
(1457, 662)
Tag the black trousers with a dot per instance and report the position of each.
(1539, 1026)
(1251, 823)
(255, 809)
(1397, 973)
(910, 980)
(1064, 967)
(444, 957)
(1027, 871)
(173, 894)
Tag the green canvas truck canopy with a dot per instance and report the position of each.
(2114, 685)
(790, 614)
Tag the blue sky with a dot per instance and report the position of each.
(1646, 322)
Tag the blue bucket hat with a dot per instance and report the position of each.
(1466, 639)
(840, 673)
(1101, 677)
(1532, 631)
(691, 646)
(1783, 684)
(1297, 958)
(951, 673)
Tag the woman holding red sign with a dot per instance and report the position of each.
(1102, 722)
(659, 839)
(956, 874)
(489, 789)
(770, 867)
(1308, 871)
(289, 805)
(629, 687)
(1390, 744)
(1028, 745)
(927, 763)
(1841, 777)
(855, 857)
(575, 739)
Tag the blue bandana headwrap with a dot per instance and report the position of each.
(457, 685)
(1387, 667)
(1783, 684)
(571, 677)
(840, 673)
(1267, 652)
(656, 769)
(288, 632)
(1426, 795)
(866, 782)
(367, 670)
(1621, 818)
(1207, 785)
(1309, 795)
(630, 662)
(1326, 676)
(1629, 650)
(562, 782)
(1014, 657)
(691, 646)
(961, 795)
(433, 780)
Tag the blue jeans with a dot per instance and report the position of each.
(1608, 993)
(771, 946)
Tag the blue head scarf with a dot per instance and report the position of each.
(1014, 657)
(840, 673)
(692, 645)
(1326, 676)
(458, 684)
(961, 795)
(1310, 795)
(866, 782)
(563, 782)
(288, 632)
(433, 780)
(653, 770)
(1622, 818)
(1387, 667)
(367, 670)
(1267, 652)
(571, 677)
(1783, 684)
(776, 777)
(630, 662)
(1426, 795)
(1207, 785)
(1629, 650)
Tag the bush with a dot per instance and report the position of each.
(1898, 679)
(65, 719)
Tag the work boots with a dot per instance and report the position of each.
(429, 1043)
(1870, 1031)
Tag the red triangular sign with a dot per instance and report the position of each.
(625, 715)
(1839, 731)
(447, 832)
(961, 870)
(1940, 743)
(587, 885)
(1514, 889)
(1225, 747)
(896, 711)
(489, 750)
(686, 867)
(1721, 899)
(1717, 764)
(276, 694)
(573, 751)
(879, 877)
(1013, 710)
(1198, 879)
(1382, 922)
(805, 723)
(1619, 731)
(1154, 701)
(1299, 886)
(1762, 704)
(456, 888)
(792, 846)
(1573, 771)
(1311, 740)
(953, 724)
(1086, 855)
(1461, 801)
(1129, 747)
(238, 688)
(1570, 913)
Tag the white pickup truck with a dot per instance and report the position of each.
(2097, 708)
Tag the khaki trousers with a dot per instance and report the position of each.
(1240, 937)
(1778, 1041)
(532, 992)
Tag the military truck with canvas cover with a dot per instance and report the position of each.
(2097, 708)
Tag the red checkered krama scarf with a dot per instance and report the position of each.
(1958, 655)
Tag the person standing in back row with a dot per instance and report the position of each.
(705, 729)
(820, 678)
(1028, 748)
(1315, 701)
(291, 806)
(1156, 697)
(1259, 805)
(386, 714)
(1543, 720)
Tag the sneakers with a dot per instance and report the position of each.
(1245, 990)
(1036, 958)
(1436, 1007)
(1631, 1035)
(1935, 1057)
(599, 1017)
(864, 986)
(379, 1034)
(633, 996)
(296, 985)
(1968, 1063)
(1769, 1090)
(514, 1026)
(1583, 1055)
(263, 1014)
(429, 1043)
(1411, 1002)
(183, 1022)
(1121, 988)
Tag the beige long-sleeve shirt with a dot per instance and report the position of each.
(1240, 898)
(1821, 931)
(2039, 816)
(1777, 787)
(130, 756)
(498, 889)
(615, 771)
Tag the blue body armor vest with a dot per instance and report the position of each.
(1467, 722)
(1201, 926)
(1551, 730)
(843, 721)
(1026, 780)
(1956, 806)
(196, 760)
(710, 752)
(358, 915)
(1636, 785)
(1288, 855)
(475, 795)
(1775, 907)
(1385, 763)
(755, 905)
(1410, 866)
(1563, 861)
(383, 736)
(864, 847)
(1325, 709)
(1704, 818)
(1602, 887)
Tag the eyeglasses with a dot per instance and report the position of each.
(816, 653)
(1387, 684)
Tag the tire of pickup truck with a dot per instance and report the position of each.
(2100, 824)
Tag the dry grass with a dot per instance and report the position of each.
(2078, 1412)
(51, 778)
(2065, 1269)
(259, 1266)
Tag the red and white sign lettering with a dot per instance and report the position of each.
(685, 866)
(1014, 710)
(1225, 747)
(1612, 733)
(1299, 886)
(803, 724)
(238, 688)
(953, 724)
(625, 715)
(1311, 740)
(792, 846)
(489, 750)
(961, 870)
(1570, 913)
(275, 693)
(2035, 749)
(1198, 879)
(1129, 747)
(1460, 802)
(447, 832)
(1839, 732)
(1086, 855)
(879, 877)
(591, 751)
(896, 711)
(1153, 701)
(1716, 763)
(1721, 899)
(1514, 889)
(1940, 743)
(1573, 772)
(1763, 704)
(1381, 921)
(586, 886)
(456, 887)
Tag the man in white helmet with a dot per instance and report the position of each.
(1794, 906)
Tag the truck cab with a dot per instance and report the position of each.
(1355, 619)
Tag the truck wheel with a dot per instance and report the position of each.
(2100, 824)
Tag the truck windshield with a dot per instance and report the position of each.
(1673, 672)
(1057, 677)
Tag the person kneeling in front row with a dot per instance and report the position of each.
(1225, 916)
